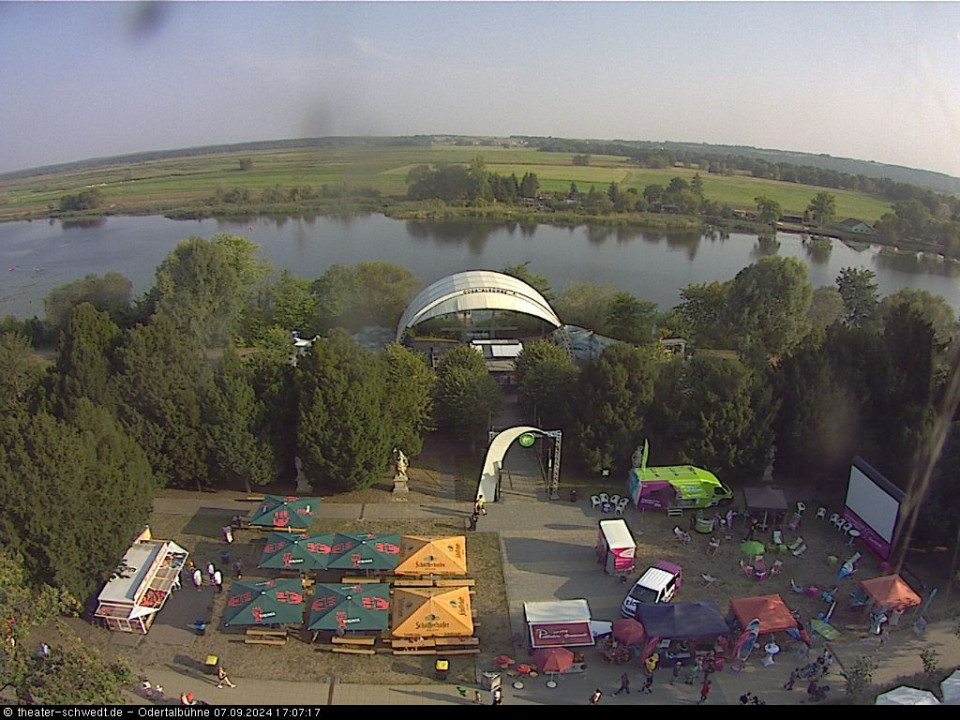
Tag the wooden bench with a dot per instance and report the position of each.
(265, 641)
(412, 644)
(266, 632)
(452, 582)
(337, 640)
(409, 582)
(460, 651)
(353, 650)
(430, 651)
(358, 580)
(444, 642)
(253, 498)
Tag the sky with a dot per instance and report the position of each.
(872, 81)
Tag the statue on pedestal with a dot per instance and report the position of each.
(400, 489)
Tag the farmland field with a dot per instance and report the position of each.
(159, 186)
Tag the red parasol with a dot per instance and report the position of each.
(629, 631)
(553, 660)
(503, 661)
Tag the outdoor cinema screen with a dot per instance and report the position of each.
(873, 505)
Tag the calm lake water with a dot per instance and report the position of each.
(40, 255)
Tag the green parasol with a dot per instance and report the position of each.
(296, 552)
(364, 606)
(285, 513)
(752, 547)
(365, 551)
(271, 602)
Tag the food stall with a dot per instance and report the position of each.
(141, 584)
(615, 547)
(559, 623)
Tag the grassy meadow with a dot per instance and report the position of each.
(161, 186)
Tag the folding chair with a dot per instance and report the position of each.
(713, 546)
(795, 544)
(794, 524)
(776, 567)
(746, 569)
(800, 550)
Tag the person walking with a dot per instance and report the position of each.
(624, 684)
(595, 698)
(210, 571)
(480, 507)
(794, 674)
(218, 580)
(238, 569)
(677, 669)
(222, 678)
(704, 691)
(497, 696)
(473, 520)
(198, 579)
(648, 682)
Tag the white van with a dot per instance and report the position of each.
(658, 584)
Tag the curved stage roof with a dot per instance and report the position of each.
(475, 290)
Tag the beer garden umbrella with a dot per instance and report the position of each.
(554, 661)
(364, 551)
(271, 602)
(752, 547)
(285, 513)
(629, 631)
(340, 607)
(296, 552)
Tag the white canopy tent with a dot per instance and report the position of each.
(904, 695)
(950, 689)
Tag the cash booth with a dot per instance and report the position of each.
(615, 547)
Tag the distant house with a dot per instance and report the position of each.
(792, 219)
(856, 226)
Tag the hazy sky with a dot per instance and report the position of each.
(874, 81)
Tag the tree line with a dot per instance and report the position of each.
(155, 392)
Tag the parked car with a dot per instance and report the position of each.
(659, 584)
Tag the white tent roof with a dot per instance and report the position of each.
(475, 290)
(950, 689)
(557, 611)
(904, 695)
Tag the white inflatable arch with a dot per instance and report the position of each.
(492, 464)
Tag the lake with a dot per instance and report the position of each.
(40, 255)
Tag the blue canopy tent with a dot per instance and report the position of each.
(682, 621)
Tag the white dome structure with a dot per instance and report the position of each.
(475, 290)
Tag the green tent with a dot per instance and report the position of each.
(296, 552)
(363, 606)
(365, 551)
(271, 602)
(285, 513)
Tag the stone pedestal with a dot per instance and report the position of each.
(400, 489)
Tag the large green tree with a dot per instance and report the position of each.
(408, 404)
(585, 304)
(546, 378)
(466, 397)
(232, 416)
(630, 319)
(823, 208)
(861, 296)
(718, 413)
(343, 434)
(768, 304)
(164, 384)
(199, 290)
(704, 315)
(83, 366)
(613, 395)
(932, 308)
(109, 293)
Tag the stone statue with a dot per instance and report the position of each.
(303, 486)
(400, 462)
(400, 489)
(637, 459)
(768, 470)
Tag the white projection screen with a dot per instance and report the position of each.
(873, 506)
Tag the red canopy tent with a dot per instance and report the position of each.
(891, 591)
(770, 610)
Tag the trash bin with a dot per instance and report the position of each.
(210, 664)
(489, 680)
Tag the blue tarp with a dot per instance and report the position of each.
(682, 621)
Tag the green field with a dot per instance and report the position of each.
(164, 185)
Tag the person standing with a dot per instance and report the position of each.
(210, 571)
(648, 682)
(624, 684)
(704, 691)
(238, 569)
(473, 520)
(222, 678)
(198, 579)
(480, 507)
(595, 698)
(677, 669)
(788, 685)
(497, 696)
(218, 580)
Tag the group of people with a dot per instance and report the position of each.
(214, 575)
(479, 508)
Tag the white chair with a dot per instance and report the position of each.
(821, 513)
(604, 498)
(834, 518)
(838, 523)
(845, 528)
(621, 506)
(595, 501)
(615, 498)
(801, 507)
